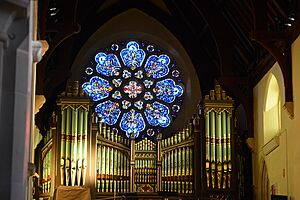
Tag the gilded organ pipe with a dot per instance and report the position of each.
(79, 146)
(68, 146)
(63, 147)
(85, 130)
(73, 146)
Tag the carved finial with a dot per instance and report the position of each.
(132, 136)
(223, 95)
(212, 94)
(218, 92)
(69, 90)
(159, 136)
(75, 88)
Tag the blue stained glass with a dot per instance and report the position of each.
(126, 104)
(167, 90)
(108, 111)
(176, 108)
(107, 65)
(150, 132)
(117, 95)
(150, 48)
(148, 96)
(98, 88)
(133, 85)
(139, 104)
(117, 82)
(133, 89)
(139, 74)
(148, 83)
(157, 67)
(132, 122)
(157, 114)
(126, 74)
(89, 71)
(175, 73)
(114, 47)
(132, 55)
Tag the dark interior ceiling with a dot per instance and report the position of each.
(234, 42)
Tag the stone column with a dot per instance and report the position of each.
(15, 98)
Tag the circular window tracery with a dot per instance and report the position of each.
(136, 88)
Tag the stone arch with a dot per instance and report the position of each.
(272, 111)
(135, 24)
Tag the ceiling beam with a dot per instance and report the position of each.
(279, 47)
(222, 35)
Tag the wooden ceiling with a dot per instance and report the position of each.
(232, 41)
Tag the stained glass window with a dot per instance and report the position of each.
(136, 88)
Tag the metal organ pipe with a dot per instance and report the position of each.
(79, 145)
(68, 146)
(74, 146)
(63, 146)
(85, 125)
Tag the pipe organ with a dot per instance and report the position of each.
(113, 160)
(145, 166)
(47, 166)
(217, 111)
(74, 120)
(177, 162)
(73, 144)
(194, 162)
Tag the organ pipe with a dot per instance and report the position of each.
(125, 166)
(74, 146)
(224, 136)
(63, 147)
(68, 146)
(85, 124)
(79, 145)
(217, 111)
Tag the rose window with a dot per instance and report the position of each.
(136, 88)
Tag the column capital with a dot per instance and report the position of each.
(4, 39)
(39, 48)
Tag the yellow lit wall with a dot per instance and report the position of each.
(283, 163)
(271, 112)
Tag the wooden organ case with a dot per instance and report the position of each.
(194, 163)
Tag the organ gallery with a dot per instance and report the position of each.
(80, 150)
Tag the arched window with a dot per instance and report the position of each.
(135, 86)
(272, 116)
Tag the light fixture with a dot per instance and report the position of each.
(288, 24)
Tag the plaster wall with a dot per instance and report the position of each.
(283, 163)
(137, 25)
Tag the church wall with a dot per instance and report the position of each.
(144, 27)
(283, 163)
(294, 153)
